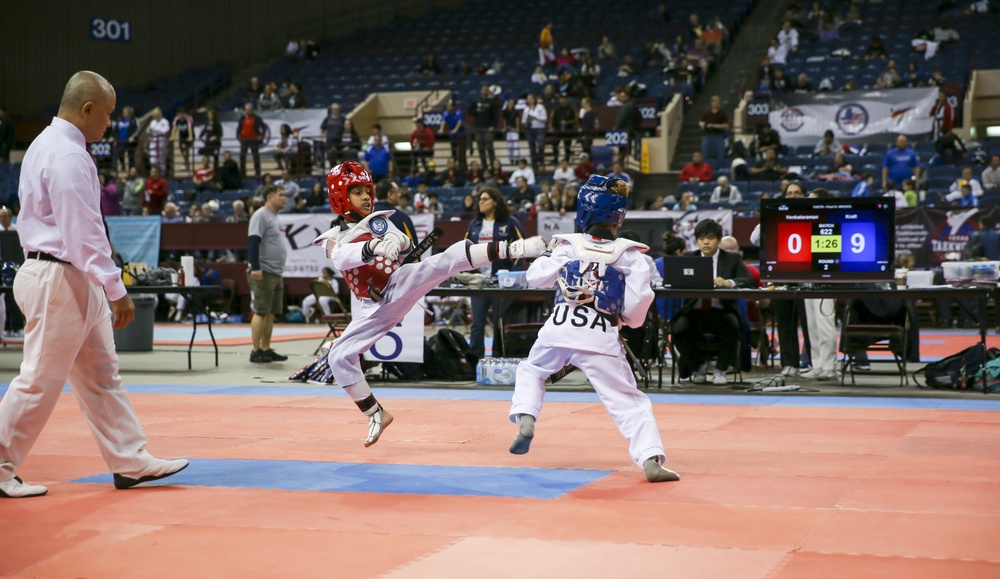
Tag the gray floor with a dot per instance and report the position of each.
(168, 365)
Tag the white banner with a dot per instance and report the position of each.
(304, 123)
(300, 229)
(853, 116)
(404, 343)
(552, 223)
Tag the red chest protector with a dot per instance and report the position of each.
(371, 276)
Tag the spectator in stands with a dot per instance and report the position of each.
(208, 211)
(694, 26)
(240, 214)
(523, 195)
(628, 67)
(587, 124)
(387, 197)
(539, 76)
(687, 202)
(492, 223)
(802, 84)
(913, 77)
(475, 174)
(250, 129)
(985, 243)
(892, 191)
(910, 193)
(546, 46)
(876, 50)
(765, 74)
(714, 124)
(950, 148)
(828, 145)
(725, 193)
(156, 193)
(943, 114)
(788, 37)
(295, 98)
(628, 119)
(618, 172)
(291, 187)
(777, 53)
(267, 181)
(890, 77)
(453, 125)
(779, 83)
(229, 172)
(900, 163)
(325, 303)
(697, 171)
(211, 137)
(377, 137)
(317, 196)
(844, 173)
(486, 117)
(204, 177)
(715, 35)
(565, 62)
(964, 197)
(699, 58)
(158, 130)
(967, 179)
(864, 186)
(943, 33)
(523, 170)
(133, 193)
(111, 203)
(534, 119)
(332, 127)
(378, 159)
(287, 147)
(563, 127)
(421, 143)
(991, 174)
(768, 169)
(563, 174)
(126, 137)
(182, 134)
(512, 131)
(606, 50)
(348, 144)
(937, 78)
(567, 203)
(430, 66)
(584, 168)
(590, 71)
(766, 140)
(268, 99)
(170, 214)
(254, 91)
(452, 175)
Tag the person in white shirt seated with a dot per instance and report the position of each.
(618, 172)
(725, 193)
(523, 170)
(956, 187)
(564, 173)
(325, 302)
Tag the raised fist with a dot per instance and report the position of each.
(526, 248)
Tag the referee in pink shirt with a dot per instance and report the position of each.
(63, 288)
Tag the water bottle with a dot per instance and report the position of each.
(487, 371)
(479, 372)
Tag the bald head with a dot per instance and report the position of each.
(729, 243)
(82, 87)
(87, 103)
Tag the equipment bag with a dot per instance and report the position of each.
(958, 371)
(447, 356)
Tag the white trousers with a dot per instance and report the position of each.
(325, 303)
(612, 379)
(822, 325)
(67, 336)
(407, 286)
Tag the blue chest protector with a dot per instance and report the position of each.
(605, 290)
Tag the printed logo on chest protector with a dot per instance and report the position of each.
(371, 276)
(378, 226)
(579, 317)
(598, 284)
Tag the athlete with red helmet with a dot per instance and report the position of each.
(369, 252)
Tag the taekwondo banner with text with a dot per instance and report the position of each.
(933, 235)
(853, 116)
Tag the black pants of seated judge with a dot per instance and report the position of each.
(790, 315)
(689, 335)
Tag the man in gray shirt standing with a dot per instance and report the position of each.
(266, 254)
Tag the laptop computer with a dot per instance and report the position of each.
(687, 272)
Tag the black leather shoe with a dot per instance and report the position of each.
(274, 356)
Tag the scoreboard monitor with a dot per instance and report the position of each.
(827, 240)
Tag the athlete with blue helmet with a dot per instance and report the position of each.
(602, 282)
